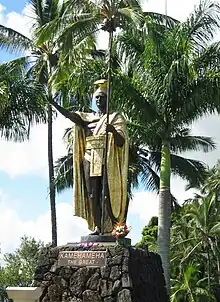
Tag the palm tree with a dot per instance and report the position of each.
(41, 63)
(194, 241)
(205, 218)
(189, 288)
(176, 70)
(22, 102)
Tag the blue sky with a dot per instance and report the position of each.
(12, 5)
(24, 202)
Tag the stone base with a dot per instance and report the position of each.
(98, 238)
(130, 275)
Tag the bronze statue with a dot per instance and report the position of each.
(88, 163)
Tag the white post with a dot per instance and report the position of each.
(24, 294)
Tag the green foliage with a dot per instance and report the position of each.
(195, 245)
(19, 266)
(149, 235)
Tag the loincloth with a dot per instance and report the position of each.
(95, 146)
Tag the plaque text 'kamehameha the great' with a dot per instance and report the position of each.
(82, 258)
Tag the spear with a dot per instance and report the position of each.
(111, 28)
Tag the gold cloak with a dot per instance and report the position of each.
(117, 169)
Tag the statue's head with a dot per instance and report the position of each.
(100, 95)
(100, 99)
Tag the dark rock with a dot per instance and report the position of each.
(66, 272)
(54, 293)
(108, 299)
(116, 287)
(54, 267)
(53, 253)
(116, 260)
(125, 261)
(133, 275)
(40, 272)
(116, 250)
(78, 281)
(98, 238)
(65, 296)
(125, 296)
(93, 282)
(126, 281)
(73, 299)
(126, 253)
(91, 296)
(115, 273)
(106, 288)
(47, 277)
(105, 272)
(45, 299)
(45, 284)
(60, 282)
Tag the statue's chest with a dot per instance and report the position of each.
(90, 128)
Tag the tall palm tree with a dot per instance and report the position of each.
(176, 69)
(42, 60)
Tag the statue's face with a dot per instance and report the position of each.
(100, 99)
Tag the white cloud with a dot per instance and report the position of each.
(31, 156)
(207, 126)
(12, 228)
(70, 228)
(145, 205)
(21, 22)
(175, 8)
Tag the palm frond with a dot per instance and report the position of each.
(64, 173)
(202, 24)
(14, 41)
(37, 10)
(183, 141)
(85, 25)
(25, 104)
(193, 171)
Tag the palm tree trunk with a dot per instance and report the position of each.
(51, 177)
(164, 212)
(209, 267)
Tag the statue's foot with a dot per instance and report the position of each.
(96, 231)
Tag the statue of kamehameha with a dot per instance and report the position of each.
(88, 164)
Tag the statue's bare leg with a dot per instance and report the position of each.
(94, 191)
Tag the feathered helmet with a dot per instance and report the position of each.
(101, 87)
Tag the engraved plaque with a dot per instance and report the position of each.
(82, 258)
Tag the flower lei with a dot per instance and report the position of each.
(120, 230)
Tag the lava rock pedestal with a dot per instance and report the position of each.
(129, 275)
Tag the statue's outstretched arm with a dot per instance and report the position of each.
(74, 117)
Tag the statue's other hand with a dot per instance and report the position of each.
(110, 128)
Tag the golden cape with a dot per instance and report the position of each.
(117, 169)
